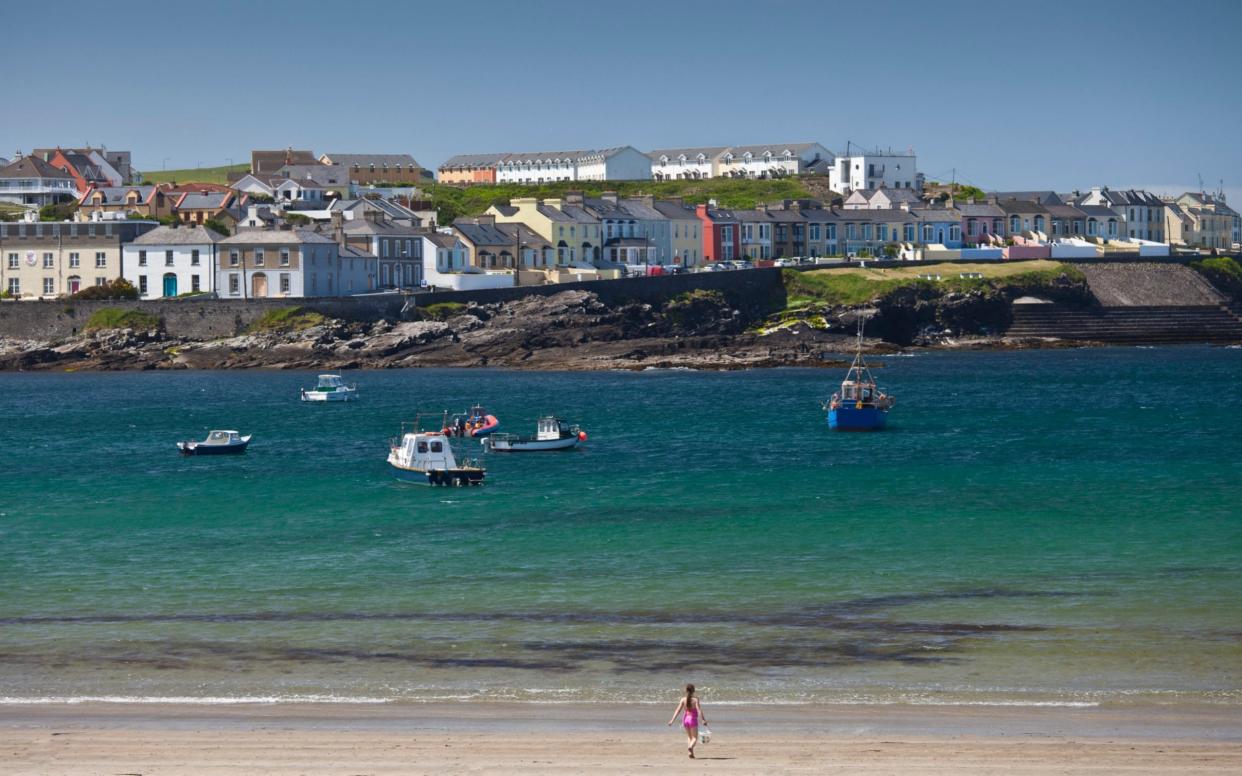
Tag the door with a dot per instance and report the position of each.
(258, 285)
(170, 285)
(75, 284)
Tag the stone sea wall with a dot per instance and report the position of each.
(207, 319)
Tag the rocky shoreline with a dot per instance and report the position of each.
(572, 331)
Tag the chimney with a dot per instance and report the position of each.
(905, 206)
(575, 197)
(609, 196)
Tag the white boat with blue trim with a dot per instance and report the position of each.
(551, 433)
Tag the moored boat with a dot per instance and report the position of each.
(860, 405)
(477, 423)
(428, 458)
(331, 388)
(551, 433)
(216, 443)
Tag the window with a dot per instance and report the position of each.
(101, 281)
(866, 232)
(142, 284)
(258, 257)
(194, 258)
(168, 258)
(422, 447)
(437, 446)
(13, 262)
(195, 284)
(48, 261)
(15, 286)
(284, 282)
(101, 260)
(284, 257)
(142, 258)
(49, 285)
(234, 257)
(851, 231)
(928, 233)
(830, 231)
(1015, 224)
(815, 232)
(908, 233)
(234, 283)
(955, 233)
(881, 232)
(75, 260)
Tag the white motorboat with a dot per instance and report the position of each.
(216, 443)
(551, 433)
(331, 388)
(428, 458)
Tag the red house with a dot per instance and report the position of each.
(87, 174)
(722, 233)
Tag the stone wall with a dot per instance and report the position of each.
(758, 291)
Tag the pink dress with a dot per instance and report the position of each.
(692, 717)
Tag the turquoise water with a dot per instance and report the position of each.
(1034, 527)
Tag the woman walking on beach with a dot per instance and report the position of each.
(691, 715)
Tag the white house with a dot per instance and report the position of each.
(608, 164)
(873, 170)
(769, 161)
(171, 260)
(446, 264)
(675, 164)
(1141, 211)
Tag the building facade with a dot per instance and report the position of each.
(171, 261)
(45, 260)
(469, 169)
(28, 180)
(875, 170)
(367, 169)
(288, 263)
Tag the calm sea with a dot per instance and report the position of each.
(1059, 527)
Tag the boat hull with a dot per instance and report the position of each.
(445, 478)
(322, 396)
(497, 445)
(197, 449)
(854, 419)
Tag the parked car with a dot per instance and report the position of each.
(743, 265)
(786, 262)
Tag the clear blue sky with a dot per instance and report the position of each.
(1013, 95)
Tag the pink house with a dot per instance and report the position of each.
(1026, 248)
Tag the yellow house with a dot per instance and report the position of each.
(684, 235)
(572, 231)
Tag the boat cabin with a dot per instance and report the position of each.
(329, 383)
(222, 438)
(426, 450)
(549, 427)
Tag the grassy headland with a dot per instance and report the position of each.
(856, 285)
(117, 318)
(455, 201)
(194, 174)
(286, 319)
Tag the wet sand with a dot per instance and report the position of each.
(528, 738)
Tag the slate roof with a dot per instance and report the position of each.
(366, 160)
(776, 150)
(115, 194)
(360, 225)
(675, 210)
(709, 152)
(270, 161)
(1098, 211)
(180, 235)
(32, 167)
(1042, 197)
(442, 240)
(392, 209)
(277, 237)
(472, 161)
(1021, 206)
(483, 233)
(980, 210)
(200, 201)
(1064, 211)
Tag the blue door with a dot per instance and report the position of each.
(170, 284)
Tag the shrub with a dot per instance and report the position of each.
(118, 318)
(286, 319)
(1224, 272)
(59, 212)
(217, 226)
(117, 289)
(442, 310)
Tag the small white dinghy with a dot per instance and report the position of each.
(551, 433)
(331, 388)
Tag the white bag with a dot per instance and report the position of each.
(705, 735)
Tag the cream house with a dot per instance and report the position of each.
(43, 260)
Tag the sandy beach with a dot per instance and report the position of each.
(158, 740)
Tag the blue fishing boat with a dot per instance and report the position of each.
(859, 405)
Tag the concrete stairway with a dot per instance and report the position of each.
(1131, 325)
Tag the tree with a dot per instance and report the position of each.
(117, 289)
(216, 226)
